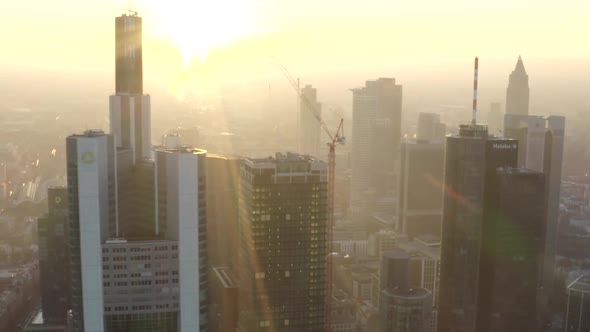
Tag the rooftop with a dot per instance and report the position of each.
(91, 133)
(289, 157)
(182, 149)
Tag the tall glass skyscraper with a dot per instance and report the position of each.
(471, 160)
(282, 250)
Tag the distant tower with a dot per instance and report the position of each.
(517, 94)
(376, 135)
(420, 189)
(430, 129)
(309, 126)
(495, 118)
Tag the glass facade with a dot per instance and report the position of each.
(282, 221)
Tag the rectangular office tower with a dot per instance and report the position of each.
(541, 142)
(282, 251)
(512, 252)
(309, 125)
(54, 257)
(93, 205)
(577, 315)
(471, 160)
(376, 135)
(420, 197)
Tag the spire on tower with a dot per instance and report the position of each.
(519, 66)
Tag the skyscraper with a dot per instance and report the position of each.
(137, 220)
(282, 248)
(577, 315)
(429, 128)
(403, 308)
(517, 93)
(495, 118)
(130, 110)
(182, 218)
(223, 181)
(91, 189)
(471, 160)
(309, 126)
(541, 147)
(376, 135)
(420, 190)
(512, 252)
(54, 257)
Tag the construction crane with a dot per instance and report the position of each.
(337, 138)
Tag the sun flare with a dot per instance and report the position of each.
(198, 26)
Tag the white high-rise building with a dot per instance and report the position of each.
(92, 185)
(180, 196)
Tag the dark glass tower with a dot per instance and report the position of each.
(517, 93)
(420, 188)
(471, 163)
(282, 250)
(128, 52)
(512, 252)
(54, 257)
(130, 109)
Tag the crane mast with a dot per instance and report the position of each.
(337, 138)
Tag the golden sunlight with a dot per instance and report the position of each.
(197, 26)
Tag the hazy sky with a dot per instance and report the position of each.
(228, 40)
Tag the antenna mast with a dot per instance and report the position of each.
(475, 76)
(130, 8)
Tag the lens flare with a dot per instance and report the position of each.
(197, 27)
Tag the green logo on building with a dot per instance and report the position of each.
(88, 157)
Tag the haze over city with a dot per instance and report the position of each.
(286, 166)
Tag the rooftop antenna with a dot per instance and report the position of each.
(475, 75)
(130, 9)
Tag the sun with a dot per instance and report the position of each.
(197, 26)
